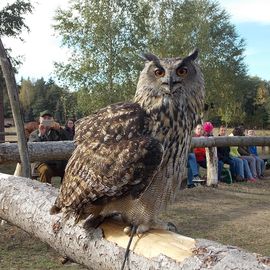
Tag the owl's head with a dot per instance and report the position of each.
(171, 79)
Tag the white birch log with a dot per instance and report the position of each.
(26, 203)
(230, 141)
(18, 170)
(40, 151)
(212, 166)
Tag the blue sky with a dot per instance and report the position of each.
(41, 47)
(257, 37)
(252, 21)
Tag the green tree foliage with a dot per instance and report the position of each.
(183, 25)
(27, 94)
(12, 18)
(256, 102)
(40, 95)
(105, 38)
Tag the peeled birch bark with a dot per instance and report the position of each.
(212, 166)
(26, 203)
(38, 151)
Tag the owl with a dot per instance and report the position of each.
(129, 157)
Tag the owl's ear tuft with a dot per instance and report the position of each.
(149, 57)
(193, 56)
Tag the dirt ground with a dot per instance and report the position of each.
(236, 214)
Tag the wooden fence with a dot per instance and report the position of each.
(40, 151)
(12, 137)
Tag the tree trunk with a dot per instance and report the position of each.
(26, 203)
(2, 118)
(16, 111)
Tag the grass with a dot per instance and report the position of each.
(18, 250)
(236, 214)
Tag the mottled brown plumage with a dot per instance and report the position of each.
(129, 156)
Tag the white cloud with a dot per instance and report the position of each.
(248, 10)
(40, 47)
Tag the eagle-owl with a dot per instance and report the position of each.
(129, 157)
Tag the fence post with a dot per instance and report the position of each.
(212, 166)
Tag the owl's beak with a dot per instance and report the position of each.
(167, 83)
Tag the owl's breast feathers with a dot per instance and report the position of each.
(112, 157)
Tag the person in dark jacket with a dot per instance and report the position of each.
(70, 129)
(236, 166)
(48, 130)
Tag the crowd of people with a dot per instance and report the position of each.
(50, 130)
(243, 161)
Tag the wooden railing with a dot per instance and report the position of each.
(40, 151)
(63, 149)
(8, 133)
(13, 139)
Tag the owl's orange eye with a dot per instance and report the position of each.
(182, 71)
(159, 72)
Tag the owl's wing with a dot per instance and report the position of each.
(112, 157)
(117, 119)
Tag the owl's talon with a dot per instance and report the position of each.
(93, 222)
(142, 228)
(139, 230)
(127, 230)
(171, 227)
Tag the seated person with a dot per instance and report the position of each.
(235, 154)
(193, 172)
(244, 152)
(236, 164)
(207, 130)
(260, 165)
(70, 129)
(48, 130)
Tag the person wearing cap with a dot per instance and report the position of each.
(207, 129)
(48, 130)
